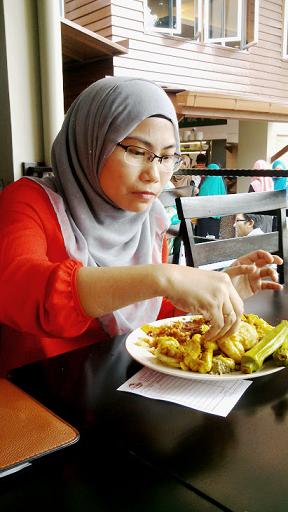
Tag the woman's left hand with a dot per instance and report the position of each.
(252, 273)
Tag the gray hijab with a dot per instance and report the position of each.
(96, 231)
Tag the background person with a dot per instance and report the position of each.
(248, 224)
(201, 161)
(261, 183)
(210, 186)
(81, 253)
(281, 182)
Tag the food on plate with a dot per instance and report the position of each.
(253, 359)
(234, 346)
(280, 356)
(181, 344)
(222, 364)
(261, 325)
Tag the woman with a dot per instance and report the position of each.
(81, 254)
(211, 186)
(281, 182)
(261, 183)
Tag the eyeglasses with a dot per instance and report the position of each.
(240, 220)
(138, 156)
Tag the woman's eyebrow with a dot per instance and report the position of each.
(146, 142)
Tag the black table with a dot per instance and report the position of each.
(143, 455)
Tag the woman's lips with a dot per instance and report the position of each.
(144, 195)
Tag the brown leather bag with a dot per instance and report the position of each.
(28, 430)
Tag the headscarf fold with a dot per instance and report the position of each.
(261, 183)
(96, 231)
(281, 182)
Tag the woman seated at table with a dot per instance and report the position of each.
(81, 253)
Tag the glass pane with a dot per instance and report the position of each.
(216, 22)
(223, 17)
(231, 16)
(162, 13)
(189, 18)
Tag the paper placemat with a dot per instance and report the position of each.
(215, 397)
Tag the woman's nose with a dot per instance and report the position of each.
(150, 171)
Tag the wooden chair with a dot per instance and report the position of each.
(167, 198)
(265, 203)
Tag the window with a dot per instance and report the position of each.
(163, 16)
(225, 22)
(180, 17)
(231, 22)
(285, 31)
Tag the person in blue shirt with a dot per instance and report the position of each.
(211, 186)
(281, 182)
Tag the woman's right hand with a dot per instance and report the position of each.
(207, 293)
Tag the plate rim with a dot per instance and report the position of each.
(135, 352)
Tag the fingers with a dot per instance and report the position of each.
(269, 285)
(262, 262)
(235, 319)
(222, 325)
(277, 260)
(269, 272)
(262, 271)
(226, 322)
(261, 255)
(240, 270)
(260, 258)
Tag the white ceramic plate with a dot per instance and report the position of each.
(145, 357)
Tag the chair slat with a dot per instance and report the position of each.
(208, 206)
(232, 248)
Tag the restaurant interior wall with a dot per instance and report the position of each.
(253, 137)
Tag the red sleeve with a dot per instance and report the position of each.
(167, 309)
(37, 279)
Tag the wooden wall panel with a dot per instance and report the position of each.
(178, 62)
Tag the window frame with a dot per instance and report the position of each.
(245, 46)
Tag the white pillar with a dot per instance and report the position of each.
(51, 71)
(253, 145)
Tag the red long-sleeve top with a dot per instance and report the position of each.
(40, 312)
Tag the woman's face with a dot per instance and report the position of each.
(135, 187)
